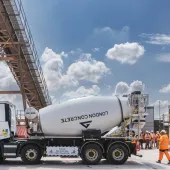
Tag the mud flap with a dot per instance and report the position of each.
(133, 148)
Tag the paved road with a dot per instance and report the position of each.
(133, 163)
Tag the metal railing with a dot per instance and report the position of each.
(20, 25)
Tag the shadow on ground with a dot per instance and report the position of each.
(79, 165)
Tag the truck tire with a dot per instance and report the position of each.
(117, 154)
(1, 157)
(1, 160)
(31, 154)
(91, 154)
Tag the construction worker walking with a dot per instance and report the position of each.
(163, 146)
(150, 141)
(147, 139)
(141, 140)
(153, 139)
(157, 139)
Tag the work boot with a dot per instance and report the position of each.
(158, 161)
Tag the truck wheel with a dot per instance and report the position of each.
(31, 154)
(1, 160)
(91, 154)
(117, 154)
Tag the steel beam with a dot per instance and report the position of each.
(8, 58)
(13, 43)
(13, 36)
(10, 92)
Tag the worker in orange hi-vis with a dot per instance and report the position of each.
(141, 140)
(157, 139)
(163, 146)
(147, 139)
(153, 139)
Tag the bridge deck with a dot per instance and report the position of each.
(18, 50)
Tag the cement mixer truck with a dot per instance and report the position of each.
(91, 128)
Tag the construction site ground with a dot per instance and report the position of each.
(148, 161)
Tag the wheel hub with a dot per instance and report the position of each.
(31, 154)
(118, 154)
(92, 154)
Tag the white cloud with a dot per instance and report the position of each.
(165, 89)
(126, 53)
(123, 88)
(162, 103)
(96, 49)
(85, 57)
(137, 86)
(112, 33)
(158, 39)
(9, 83)
(108, 86)
(63, 54)
(89, 70)
(86, 68)
(160, 108)
(52, 67)
(6, 78)
(49, 54)
(165, 57)
(53, 98)
(102, 37)
(82, 91)
(14, 99)
(4, 70)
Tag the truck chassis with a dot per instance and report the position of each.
(91, 150)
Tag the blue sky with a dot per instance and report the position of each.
(68, 25)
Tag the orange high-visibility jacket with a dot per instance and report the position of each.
(158, 137)
(153, 136)
(147, 136)
(164, 142)
(133, 141)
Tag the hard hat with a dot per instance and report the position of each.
(163, 131)
(151, 131)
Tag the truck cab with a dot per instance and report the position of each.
(8, 127)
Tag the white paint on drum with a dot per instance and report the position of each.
(107, 110)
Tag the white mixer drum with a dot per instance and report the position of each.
(71, 117)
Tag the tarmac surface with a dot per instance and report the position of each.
(148, 161)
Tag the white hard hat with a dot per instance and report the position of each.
(163, 131)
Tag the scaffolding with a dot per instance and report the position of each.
(18, 50)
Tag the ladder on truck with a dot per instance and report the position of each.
(135, 115)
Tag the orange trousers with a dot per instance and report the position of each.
(161, 154)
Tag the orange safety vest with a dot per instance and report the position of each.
(158, 137)
(147, 136)
(133, 141)
(153, 136)
(164, 142)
